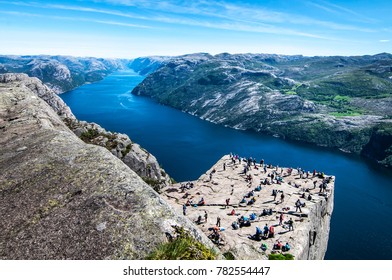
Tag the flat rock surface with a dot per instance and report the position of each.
(61, 198)
(231, 184)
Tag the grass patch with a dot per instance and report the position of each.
(345, 114)
(127, 150)
(229, 256)
(89, 135)
(183, 247)
(283, 257)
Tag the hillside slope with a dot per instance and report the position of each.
(341, 102)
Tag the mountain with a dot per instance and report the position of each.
(337, 101)
(61, 198)
(61, 73)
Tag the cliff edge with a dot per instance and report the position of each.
(232, 190)
(61, 198)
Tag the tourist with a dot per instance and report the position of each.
(271, 232)
(205, 216)
(218, 221)
(278, 245)
(232, 212)
(266, 231)
(201, 202)
(224, 166)
(227, 202)
(282, 197)
(184, 209)
(281, 217)
(286, 247)
(291, 224)
(298, 206)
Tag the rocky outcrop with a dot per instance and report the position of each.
(61, 198)
(328, 101)
(225, 180)
(120, 145)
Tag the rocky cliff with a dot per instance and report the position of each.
(329, 101)
(226, 180)
(61, 198)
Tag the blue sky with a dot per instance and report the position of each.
(133, 28)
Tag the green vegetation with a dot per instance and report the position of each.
(89, 135)
(229, 256)
(155, 184)
(183, 247)
(127, 150)
(280, 257)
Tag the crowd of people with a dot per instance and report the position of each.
(274, 175)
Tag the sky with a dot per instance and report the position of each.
(134, 28)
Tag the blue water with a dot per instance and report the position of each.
(187, 146)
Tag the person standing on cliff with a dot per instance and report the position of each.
(205, 216)
(184, 209)
(291, 224)
(218, 220)
(282, 197)
(298, 206)
(224, 166)
(281, 217)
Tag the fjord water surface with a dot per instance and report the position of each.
(187, 146)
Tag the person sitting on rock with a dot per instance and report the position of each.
(258, 234)
(235, 225)
(286, 247)
(232, 213)
(278, 245)
(252, 201)
(201, 202)
(243, 200)
(198, 221)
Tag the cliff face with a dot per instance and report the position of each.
(132, 154)
(61, 198)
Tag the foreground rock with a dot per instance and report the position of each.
(120, 145)
(61, 198)
(309, 239)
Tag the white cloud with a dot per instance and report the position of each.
(384, 41)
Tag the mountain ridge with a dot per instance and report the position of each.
(335, 101)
